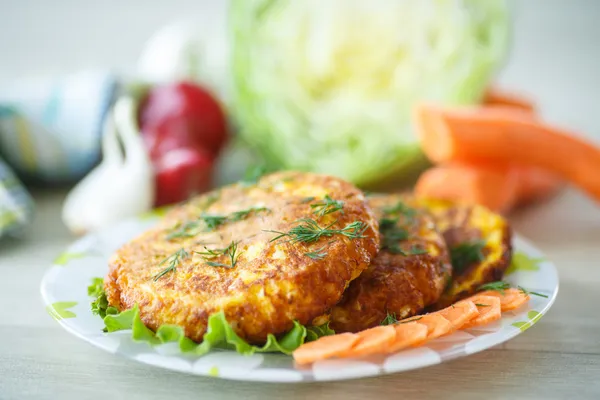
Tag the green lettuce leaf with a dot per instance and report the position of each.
(219, 334)
(100, 304)
(315, 332)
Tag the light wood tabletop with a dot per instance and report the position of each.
(556, 58)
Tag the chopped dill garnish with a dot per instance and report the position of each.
(307, 199)
(187, 229)
(501, 286)
(467, 253)
(309, 231)
(498, 286)
(210, 222)
(416, 251)
(317, 254)
(401, 209)
(527, 292)
(230, 251)
(392, 234)
(482, 305)
(242, 214)
(410, 320)
(327, 206)
(390, 319)
(173, 260)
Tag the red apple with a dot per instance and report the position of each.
(184, 129)
(182, 173)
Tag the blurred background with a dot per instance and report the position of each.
(182, 96)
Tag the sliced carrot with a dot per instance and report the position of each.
(492, 187)
(371, 341)
(459, 313)
(489, 311)
(407, 335)
(325, 347)
(498, 97)
(436, 325)
(510, 137)
(510, 299)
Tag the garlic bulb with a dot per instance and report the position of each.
(122, 186)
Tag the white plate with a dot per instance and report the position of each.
(64, 290)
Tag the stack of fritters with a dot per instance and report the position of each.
(305, 247)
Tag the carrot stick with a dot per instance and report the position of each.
(494, 188)
(499, 97)
(502, 136)
(534, 184)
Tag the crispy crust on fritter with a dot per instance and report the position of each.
(394, 283)
(272, 284)
(465, 223)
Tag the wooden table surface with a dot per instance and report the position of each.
(555, 56)
(558, 357)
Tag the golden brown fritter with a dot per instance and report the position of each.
(409, 273)
(186, 268)
(461, 225)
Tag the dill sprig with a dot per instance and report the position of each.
(327, 206)
(401, 209)
(528, 292)
(416, 251)
(390, 319)
(467, 253)
(413, 251)
(482, 305)
(307, 199)
(173, 260)
(410, 320)
(498, 286)
(309, 231)
(210, 222)
(317, 254)
(187, 229)
(392, 234)
(210, 254)
(242, 214)
(501, 286)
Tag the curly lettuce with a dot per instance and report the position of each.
(219, 333)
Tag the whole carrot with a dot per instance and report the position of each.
(503, 136)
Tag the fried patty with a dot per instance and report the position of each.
(470, 224)
(408, 274)
(183, 270)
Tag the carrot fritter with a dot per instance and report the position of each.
(473, 228)
(408, 274)
(222, 252)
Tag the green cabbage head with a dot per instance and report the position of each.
(329, 85)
